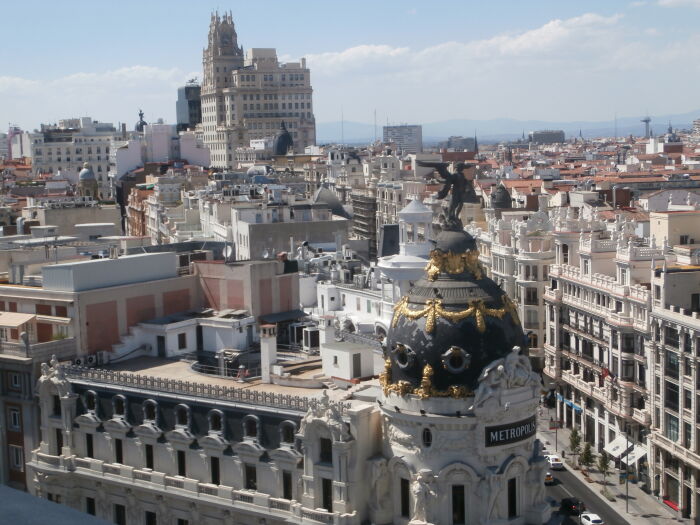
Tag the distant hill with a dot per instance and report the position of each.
(504, 129)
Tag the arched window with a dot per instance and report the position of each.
(216, 419)
(287, 432)
(182, 415)
(149, 410)
(119, 405)
(90, 401)
(250, 427)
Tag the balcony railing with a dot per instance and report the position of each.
(40, 351)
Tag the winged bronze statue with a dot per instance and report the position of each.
(460, 188)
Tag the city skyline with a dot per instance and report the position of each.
(549, 62)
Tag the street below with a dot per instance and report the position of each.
(567, 485)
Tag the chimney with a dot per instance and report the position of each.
(268, 350)
(326, 330)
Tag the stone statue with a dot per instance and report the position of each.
(461, 191)
(380, 484)
(164, 515)
(536, 479)
(53, 372)
(421, 491)
(518, 370)
(491, 383)
(329, 413)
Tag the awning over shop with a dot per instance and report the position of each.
(634, 455)
(618, 446)
(280, 317)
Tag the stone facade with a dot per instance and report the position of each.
(247, 97)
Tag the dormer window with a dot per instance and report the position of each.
(90, 401)
(119, 405)
(182, 416)
(215, 421)
(287, 432)
(149, 410)
(250, 427)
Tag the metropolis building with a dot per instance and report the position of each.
(445, 435)
(247, 96)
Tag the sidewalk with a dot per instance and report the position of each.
(643, 508)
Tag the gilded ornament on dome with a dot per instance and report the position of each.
(453, 263)
(426, 388)
(434, 309)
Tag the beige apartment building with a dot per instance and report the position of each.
(248, 96)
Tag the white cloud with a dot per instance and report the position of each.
(111, 95)
(679, 3)
(589, 66)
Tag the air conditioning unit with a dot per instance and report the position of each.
(79, 361)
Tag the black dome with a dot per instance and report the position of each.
(500, 199)
(455, 319)
(283, 141)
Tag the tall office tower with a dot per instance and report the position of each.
(248, 96)
(188, 106)
(408, 139)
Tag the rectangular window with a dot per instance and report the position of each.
(118, 451)
(181, 465)
(90, 506)
(326, 453)
(15, 379)
(327, 494)
(181, 521)
(287, 485)
(181, 341)
(16, 458)
(150, 518)
(89, 450)
(59, 441)
(512, 498)
(405, 499)
(149, 457)
(119, 514)
(56, 406)
(672, 365)
(251, 477)
(458, 510)
(215, 474)
(671, 430)
(14, 419)
(687, 434)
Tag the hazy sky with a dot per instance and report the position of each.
(412, 61)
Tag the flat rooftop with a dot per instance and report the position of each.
(181, 370)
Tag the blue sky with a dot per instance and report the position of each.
(411, 61)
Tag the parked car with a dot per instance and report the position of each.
(555, 462)
(572, 506)
(588, 518)
(548, 479)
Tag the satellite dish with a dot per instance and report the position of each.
(228, 252)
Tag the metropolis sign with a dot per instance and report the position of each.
(511, 433)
